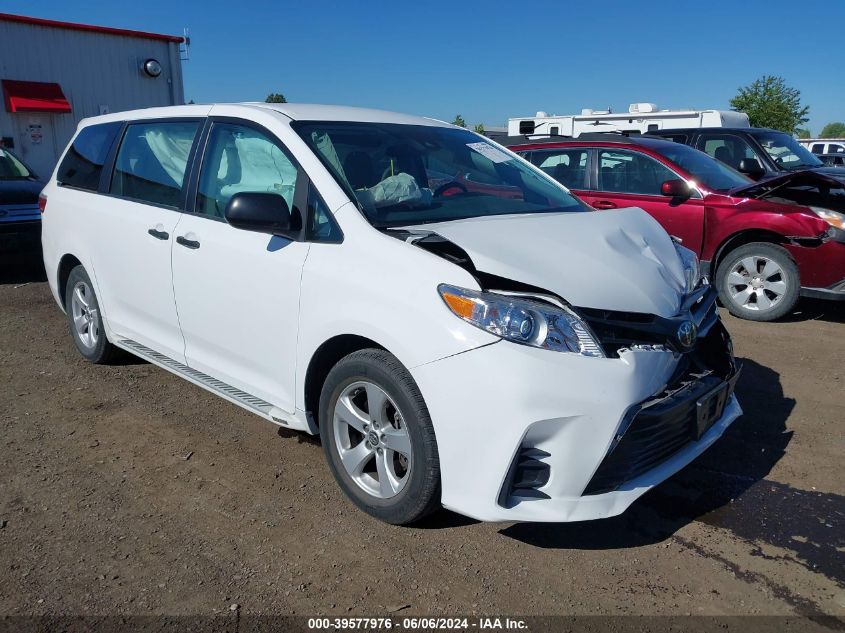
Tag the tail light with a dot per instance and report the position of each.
(42, 203)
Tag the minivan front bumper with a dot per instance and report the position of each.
(523, 433)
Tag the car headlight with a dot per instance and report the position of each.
(834, 218)
(523, 321)
(692, 269)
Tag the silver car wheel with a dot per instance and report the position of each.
(83, 310)
(756, 283)
(372, 440)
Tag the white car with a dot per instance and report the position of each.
(458, 328)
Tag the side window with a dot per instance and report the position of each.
(835, 148)
(321, 224)
(82, 166)
(631, 172)
(818, 148)
(567, 166)
(151, 161)
(678, 138)
(727, 148)
(237, 159)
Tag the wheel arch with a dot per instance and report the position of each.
(322, 360)
(741, 238)
(66, 264)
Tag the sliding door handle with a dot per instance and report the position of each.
(184, 241)
(159, 235)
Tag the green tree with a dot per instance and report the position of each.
(803, 132)
(479, 128)
(275, 97)
(769, 102)
(833, 130)
(459, 120)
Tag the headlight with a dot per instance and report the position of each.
(523, 321)
(834, 218)
(692, 269)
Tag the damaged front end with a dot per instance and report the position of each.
(679, 412)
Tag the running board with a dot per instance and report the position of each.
(232, 394)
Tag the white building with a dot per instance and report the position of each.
(55, 73)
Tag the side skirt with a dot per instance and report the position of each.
(234, 395)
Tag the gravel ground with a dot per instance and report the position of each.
(126, 490)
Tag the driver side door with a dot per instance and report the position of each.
(237, 291)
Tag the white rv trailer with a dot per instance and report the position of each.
(640, 118)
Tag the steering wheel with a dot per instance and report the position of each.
(454, 187)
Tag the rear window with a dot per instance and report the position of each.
(83, 164)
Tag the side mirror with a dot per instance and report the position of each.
(675, 188)
(260, 212)
(751, 168)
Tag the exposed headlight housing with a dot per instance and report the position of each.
(521, 320)
(692, 268)
(834, 218)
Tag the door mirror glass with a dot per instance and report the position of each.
(260, 212)
(751, 167)
(675, 188)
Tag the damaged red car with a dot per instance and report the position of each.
(764, 244)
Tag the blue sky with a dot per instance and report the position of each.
(486, 60)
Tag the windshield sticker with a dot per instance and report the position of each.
(488, 151)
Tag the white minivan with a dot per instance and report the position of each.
(458, 328)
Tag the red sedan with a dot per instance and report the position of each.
(765, 243)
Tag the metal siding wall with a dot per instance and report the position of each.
(93, 69)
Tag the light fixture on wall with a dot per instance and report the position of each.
(152, 67)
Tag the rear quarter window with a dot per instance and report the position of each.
(82, 166)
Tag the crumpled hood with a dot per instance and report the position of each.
(611, 260)
(760, 189)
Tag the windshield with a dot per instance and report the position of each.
(413, 174)
(706, 170)
(786, 151)
(11, 168)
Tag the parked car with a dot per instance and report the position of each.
(509, 358)
(756, 152)
(764, 244)
(20, 218)
(820, 148)
(832, 160)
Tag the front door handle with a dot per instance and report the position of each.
(159, 235)
(604, 204)
(184, 241)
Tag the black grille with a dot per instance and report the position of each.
(616, 330)
(659, 427)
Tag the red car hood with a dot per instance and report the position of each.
(763, 188)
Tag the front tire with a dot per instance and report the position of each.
(758, 281)
(378, 437)
(85, 319)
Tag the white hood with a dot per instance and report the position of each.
(611, 260)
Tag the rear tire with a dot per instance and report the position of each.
(378, 437)
(758, 281)
(85, 319)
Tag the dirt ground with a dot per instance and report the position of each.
(126, 490)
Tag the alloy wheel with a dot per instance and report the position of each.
(756, 283)
(372, 439)
(84, 313)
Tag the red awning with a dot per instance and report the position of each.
(34, 96)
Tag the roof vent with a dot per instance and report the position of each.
(542, 115)
(637, 108)
(586, 111)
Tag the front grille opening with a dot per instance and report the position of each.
(526, 475)
(659, 427)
